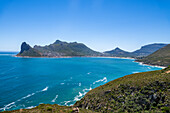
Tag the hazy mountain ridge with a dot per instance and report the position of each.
(148, 49)
(161, 57)
(142, 52)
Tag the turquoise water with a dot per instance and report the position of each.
(27, 82)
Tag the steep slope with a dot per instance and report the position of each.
(117, 52)
(160, 57)
(27, 50)
(140, 92)
(148, 49)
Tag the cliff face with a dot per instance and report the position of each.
(27, 50)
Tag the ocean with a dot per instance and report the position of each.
(28, 82)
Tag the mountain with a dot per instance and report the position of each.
(27, 50)
(140, 92)
(143, 51)
(117, 52)
(146, 92)
(58, 49)
(148, 49)
(160, 57)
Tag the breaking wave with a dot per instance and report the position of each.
(55, 98)
(10, 105)
(101, 80)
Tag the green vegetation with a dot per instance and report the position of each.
(140, 92)
(60, 48)
(161, 57)
(47, 108)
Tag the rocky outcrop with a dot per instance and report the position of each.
(28, 51)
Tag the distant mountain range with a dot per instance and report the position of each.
(65, 49)
(117, 52)
(143, 51)
(161, 57)
(57, 49)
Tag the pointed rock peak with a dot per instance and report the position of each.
(117, 48)
(57, 42)
(24, 47)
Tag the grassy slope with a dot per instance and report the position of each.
(160, 57)
(147, 91)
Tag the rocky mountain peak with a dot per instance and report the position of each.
(25, 47)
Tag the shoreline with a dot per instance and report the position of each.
(74, 57)
(150, 65)
(93, 57)
(90, 57)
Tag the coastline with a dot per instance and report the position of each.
(150, 65)
(73, 57)
(93, 57)
(87, 57)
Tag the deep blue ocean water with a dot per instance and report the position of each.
(27, 82)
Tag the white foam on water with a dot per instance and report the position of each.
(89, 73)
(55, 98)
(81, 94)
(30, 107)
(148, 67)
(135, 72)
(45, 89)
(66, 102)
(79, 84)
(62, 83)
(101, 80)
(8, 106)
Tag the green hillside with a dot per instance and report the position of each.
(60, 48)
(160, 57)
(140, 92)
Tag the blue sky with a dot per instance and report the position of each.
(100, 24)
